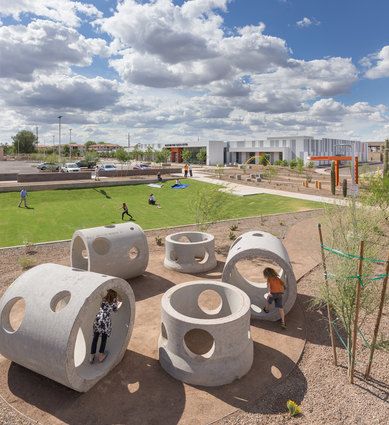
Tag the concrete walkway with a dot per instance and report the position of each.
(243, 190)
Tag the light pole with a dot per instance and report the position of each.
(70, 141)
(59, 137)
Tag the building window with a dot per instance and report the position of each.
(253, 143)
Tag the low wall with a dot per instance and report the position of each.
(50, 177)
(146, 172)
(8, 176)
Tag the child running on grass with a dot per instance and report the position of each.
(276, 288)
(125, 211)
(102, 326)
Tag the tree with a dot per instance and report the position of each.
(186, 155)
(262, 160)
(91, 156)
(202, 155)
(209, 206)
(137, 153)
(65, 150)
(122, 156)
(386, 158)
(300, 166)
(163, 155)
(25, 142)
(149, 153)
(88, 144)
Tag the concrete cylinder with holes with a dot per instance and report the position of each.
(268, 248)
(190, 252)
(46, 323)
(119, 250)
(202, 342)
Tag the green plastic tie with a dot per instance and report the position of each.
(351, 256)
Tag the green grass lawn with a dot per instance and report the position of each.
(56, 214)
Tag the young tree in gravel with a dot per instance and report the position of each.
(345, 228)
(122, 156)
(149, 153)
(137, 153)
(201, 155)
(91, 156)
(209, 206)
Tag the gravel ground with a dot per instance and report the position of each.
(326, 396)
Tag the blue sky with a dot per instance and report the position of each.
(167, 70)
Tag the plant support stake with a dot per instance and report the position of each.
(335, 359)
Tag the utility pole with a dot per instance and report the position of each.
(37, 137)
(128, 140)
(59, 137)
(70, 141)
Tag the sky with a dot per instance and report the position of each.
(175, 71)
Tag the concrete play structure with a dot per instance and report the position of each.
(53, 331)
(119, 250)
(266, 247)
(201, 344)
(190, 252)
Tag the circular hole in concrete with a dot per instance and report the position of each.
(202, 259)
(110, 226)
(84, 254)
(251, 270)
(101, 245)
(133, 253)
(183, 239)
(79, 348)
(258, 234)
(173, 256)
(13, 314)
(132, 228)
(60, 301)
(199, 342)
(210, 302)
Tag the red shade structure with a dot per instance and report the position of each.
(337, 159)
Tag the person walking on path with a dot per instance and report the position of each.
(276, 288)
(190, 170)
(102, 325)
(97, 170)
(186, 169)
(23, 197)
(124, 207)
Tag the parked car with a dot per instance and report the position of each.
(48, 166)
(141, 166)
(107, 167)
(86, 164)
(70, 167)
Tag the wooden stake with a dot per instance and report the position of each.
(356, 317)
(335, 359)
(378, 321)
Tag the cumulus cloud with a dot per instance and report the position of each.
(44, 45)
(307, 22)
(65, 11)
(186, 45)
(378, 64)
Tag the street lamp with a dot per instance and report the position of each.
(59, 137)
(70, 141)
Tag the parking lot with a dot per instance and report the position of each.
(18, 167)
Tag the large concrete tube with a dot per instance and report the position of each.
(119, 250)
(52, 335)
(263, 246)
(190, 252)
(204, 344)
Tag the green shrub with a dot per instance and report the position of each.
(26, 262)
(231, 236)
(293, 163)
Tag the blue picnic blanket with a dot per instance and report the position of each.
(179, 186)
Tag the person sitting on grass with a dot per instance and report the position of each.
(102, 325)
(152, 200)
(125, 211)
(276, 288)
(159, 177)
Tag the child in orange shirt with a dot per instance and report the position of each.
(276, 288)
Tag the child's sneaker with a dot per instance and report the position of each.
(265, 310)
(283, 326)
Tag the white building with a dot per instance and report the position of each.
(275, 148)
(293, 147)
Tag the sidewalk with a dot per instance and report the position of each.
(243, 190)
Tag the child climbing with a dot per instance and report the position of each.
(102, 326)
(276, 288)
(125, 211)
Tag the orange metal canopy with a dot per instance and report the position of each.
(330, 158)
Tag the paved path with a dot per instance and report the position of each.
(243, 190)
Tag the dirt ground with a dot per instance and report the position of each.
(320, 388)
